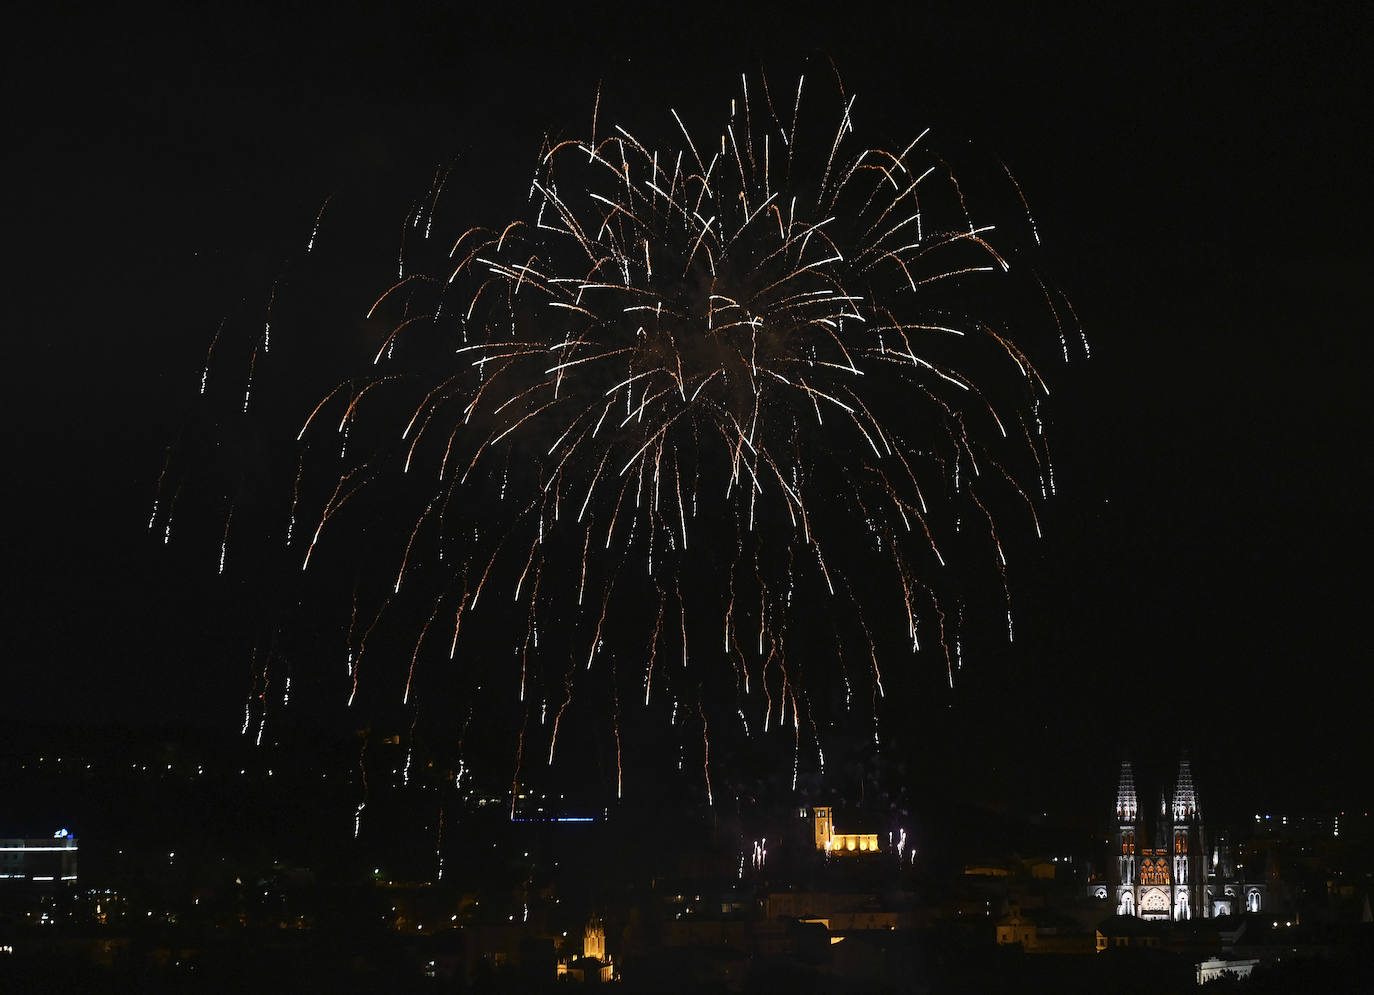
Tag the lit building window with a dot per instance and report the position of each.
(1154, 872)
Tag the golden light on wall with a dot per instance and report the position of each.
(832, 842)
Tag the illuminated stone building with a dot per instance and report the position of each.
(594, 965)
(829, 841)
(1161, 868)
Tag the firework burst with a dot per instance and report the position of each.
(715, 431)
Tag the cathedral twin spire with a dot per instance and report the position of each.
(1185, 795)
(1185, 798)
(1125, 794)
(1161, 875)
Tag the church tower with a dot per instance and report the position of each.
(1189, 847)
(594, 940)
(1127, 825)
(825, 829)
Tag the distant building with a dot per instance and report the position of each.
(829, 841)
(594, 965)
(986, 871)
(1161, 868)
(838, 912)
(50, 862)
(1016, 928)
(1127, 931)
(1214, 969)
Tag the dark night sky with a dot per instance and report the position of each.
(1203, 186)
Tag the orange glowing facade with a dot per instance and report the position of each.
(831, 842)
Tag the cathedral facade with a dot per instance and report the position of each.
(1160, 865)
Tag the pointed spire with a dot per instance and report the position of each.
(1185, 798)
(1125, 794)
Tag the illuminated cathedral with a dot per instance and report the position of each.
(1161, 868)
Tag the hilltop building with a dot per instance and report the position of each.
(829, 841)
